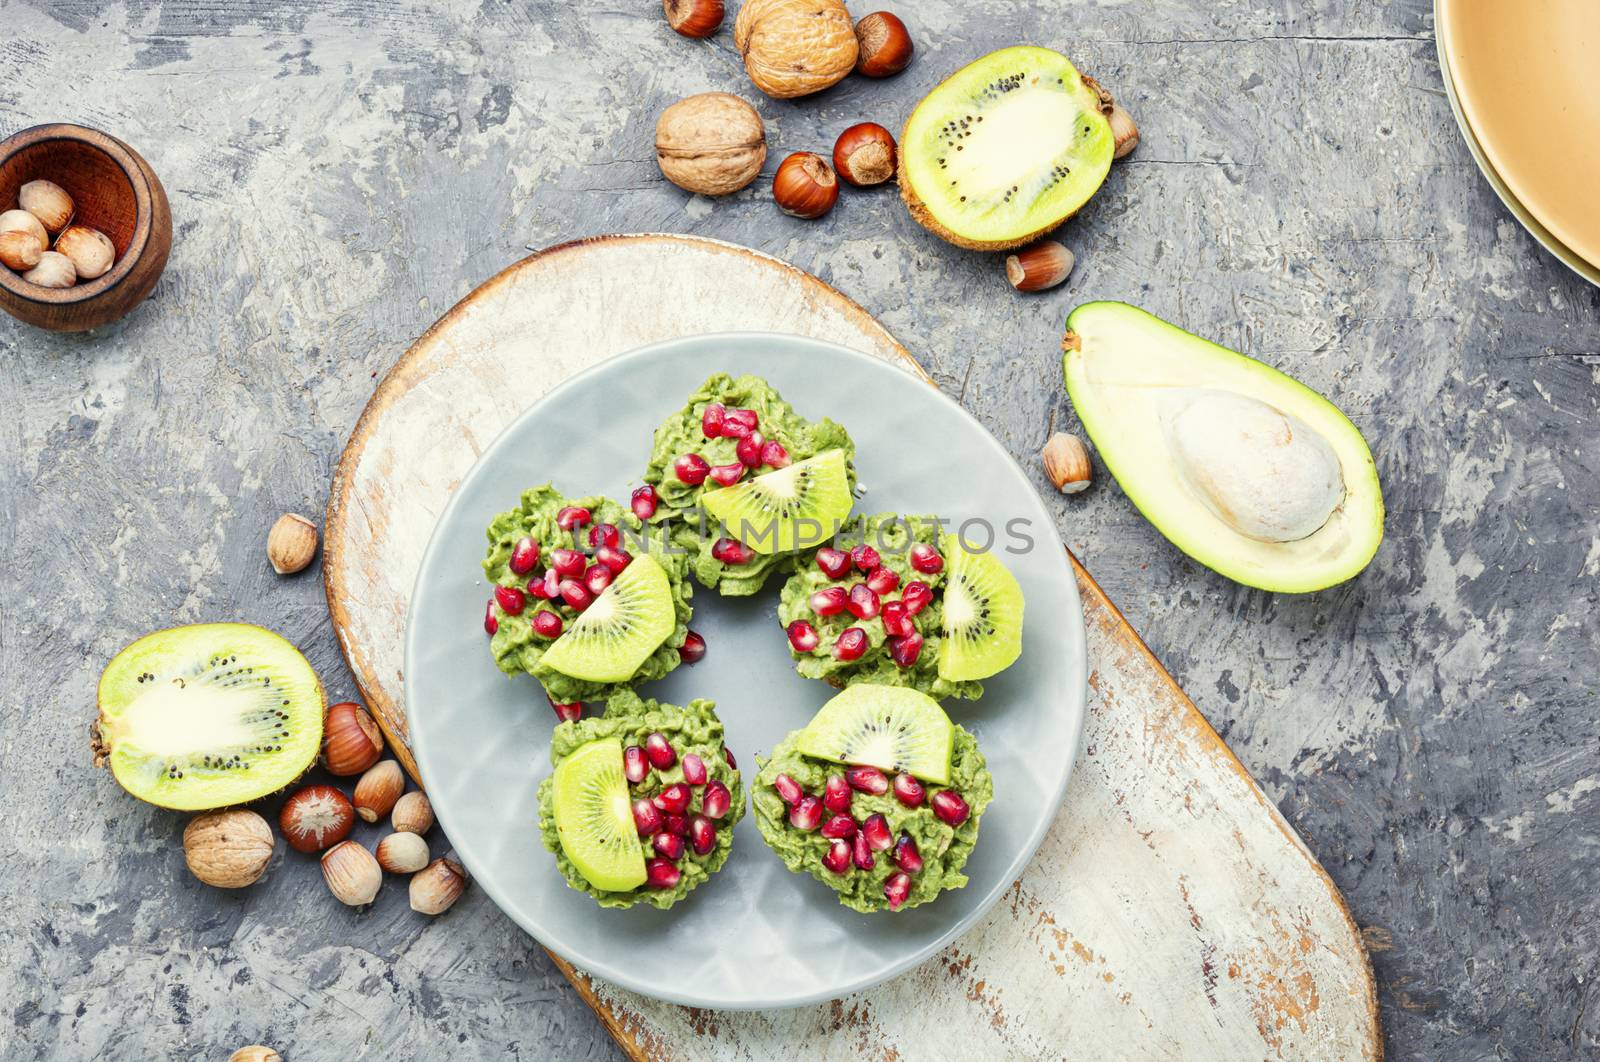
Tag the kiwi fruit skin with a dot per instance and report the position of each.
(925, 217)
(303, 747)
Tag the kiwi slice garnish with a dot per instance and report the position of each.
(889, 727)
(594, 818)
(791, 509)
(208, 716)
(982, 614)
(620, 628)
(1005, 149)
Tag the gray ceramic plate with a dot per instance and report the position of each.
(755, 936)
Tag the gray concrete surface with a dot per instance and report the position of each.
(341, 171)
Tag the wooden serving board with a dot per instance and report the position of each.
(1171, 912)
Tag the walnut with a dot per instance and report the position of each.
(712, 144)
(795, 47)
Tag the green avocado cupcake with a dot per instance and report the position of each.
(894, 602)
(742, 481)
(586, 598)
(642, 802)
(879, 798)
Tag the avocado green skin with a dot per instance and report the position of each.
(1357, 466)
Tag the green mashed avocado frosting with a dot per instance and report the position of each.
(892, 535)
(693, 728)
(944, 848)
(516, 647)
(679, 504)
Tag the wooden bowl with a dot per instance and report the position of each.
(114, 190)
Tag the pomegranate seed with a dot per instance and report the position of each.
(865, 557)
(836, 794)
(605, 535)
(510, 599)
(490, 623)
(717, 800)
(863, 603)
(524, 555)
(613, 558)
(549, 586)
(803, 636)
(732, 552)
(740, 423)
(576, 594)
(659, 751)
(840, 826)
(806, 815)
(948, 805)
(661, 874)
(908, 791)
(573, 516)
(727, 754)
(837, 858)
(906, 856)
(917, 597)
(748, 451)
(896, 620)
(691, 469)
(547, 624)
(646, 817)
(850, 644)
(896, 889)
(674, 799)
(867, 780)
(833, 562)
(702, 835)
(711, 420)
(926, 559)
(677, 824)
(788, 789)
(829, 601)
(694, 769)
(862, 852)
(876, 827)
(773, 453)
(883, 581)
(536, 588)
(727, 475)
(634, 765)
(692, 649)
(567, 563)
(643, 501)
(597, 578)
(904, 651)
(669, 845)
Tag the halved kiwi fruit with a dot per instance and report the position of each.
(1005, 149)
(793, 508)
(620, 629)
(888, 727)
(208, 716)
(982, 614)
(594, 818)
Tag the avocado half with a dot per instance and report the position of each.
(1242, 467)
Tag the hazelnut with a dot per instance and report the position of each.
(1125, 135)
(351, 741)
(227, 849)
(795, 47)
(255, 1053)
(1044, 265)
(864, 154)
(48, 202)
(20, 251)
(378, 790)
(693, 18)
(1066, 462)
(402, 853)
(91, 250)
(413, 813)
(22, 221)
(315, 817)
(437, 886)
(710, 144)
(292, 542)
(804, 186)
(884, 45)
(53, 271)
(352, 873)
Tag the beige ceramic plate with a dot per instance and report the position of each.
(1526, 75)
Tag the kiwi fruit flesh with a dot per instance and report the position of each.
(1005, 149)
(594, 817)
(790, 509)
(982, 614)
(208, 716)
(620, 628)
(892, 728)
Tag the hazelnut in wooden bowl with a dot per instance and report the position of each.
(113, 191)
